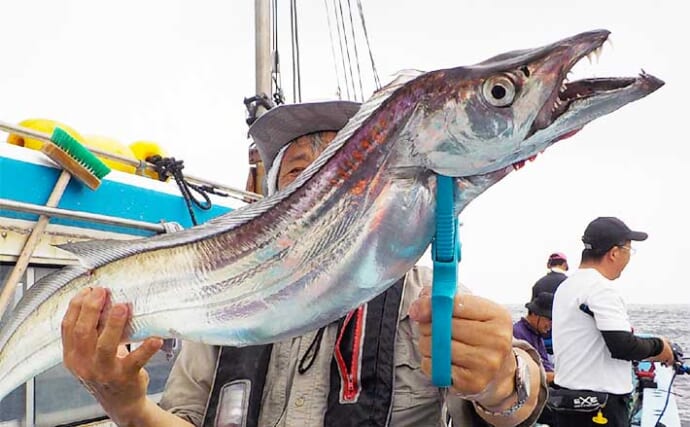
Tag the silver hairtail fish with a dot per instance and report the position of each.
(347, 228)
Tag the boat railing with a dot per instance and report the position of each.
(86, 216)
(141, 166)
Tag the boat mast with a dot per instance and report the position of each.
(262, 54)
(263, 64)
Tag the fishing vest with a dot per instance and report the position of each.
(366, 339)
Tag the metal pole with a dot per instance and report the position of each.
(262, 24)
(66, 213)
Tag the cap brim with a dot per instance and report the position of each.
(282, 124)
(637, 236)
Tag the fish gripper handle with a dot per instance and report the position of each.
(445, 253)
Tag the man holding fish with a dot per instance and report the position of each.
(340, 238)
(370, 368)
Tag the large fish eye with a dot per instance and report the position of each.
(499, 91)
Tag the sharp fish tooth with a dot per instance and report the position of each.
(597, 53)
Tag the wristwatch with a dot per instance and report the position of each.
(522, 387)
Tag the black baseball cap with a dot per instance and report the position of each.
(606, 232)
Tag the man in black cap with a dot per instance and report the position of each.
(535, 326)
(592, 338)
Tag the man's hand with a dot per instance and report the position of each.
(666, 356)
(91, 351)
(483, 364)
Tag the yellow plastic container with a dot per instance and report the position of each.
(42, 125)
(113, 146)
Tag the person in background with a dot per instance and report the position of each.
(592, 338)
(370, 368)
(533, 327)
(557, 266)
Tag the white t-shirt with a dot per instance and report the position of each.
(582, 359)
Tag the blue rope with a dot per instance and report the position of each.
(445, 253)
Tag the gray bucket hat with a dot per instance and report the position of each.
(282, 124)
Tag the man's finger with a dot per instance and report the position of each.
(85, 332)
(470, 332)
(70, 319)
(466, 306)
(464, 381)
(109, 339)
(139, 357)
(462, 355)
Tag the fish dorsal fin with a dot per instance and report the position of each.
(400, 78)
(365, 111)
(98, 252)
(247, 213)
(93, 253)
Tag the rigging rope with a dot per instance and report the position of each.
(354, 44)
(296, 68)
(170, 167)
(347, 49)
(377, 82)
(352, 76)
(335, 61)
(342, 55)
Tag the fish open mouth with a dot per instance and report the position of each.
(567, 93)
(573, 104)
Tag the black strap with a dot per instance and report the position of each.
(248, 364)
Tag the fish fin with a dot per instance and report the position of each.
(402, 77)
(367, 109)
(251, 211)
(38, 293)
(93, 253)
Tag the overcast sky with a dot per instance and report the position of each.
(176, 72)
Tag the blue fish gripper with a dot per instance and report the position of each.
(445, 254)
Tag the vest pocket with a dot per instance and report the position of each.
(409, 378)
(233, 404)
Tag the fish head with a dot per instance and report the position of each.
(503, 111)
